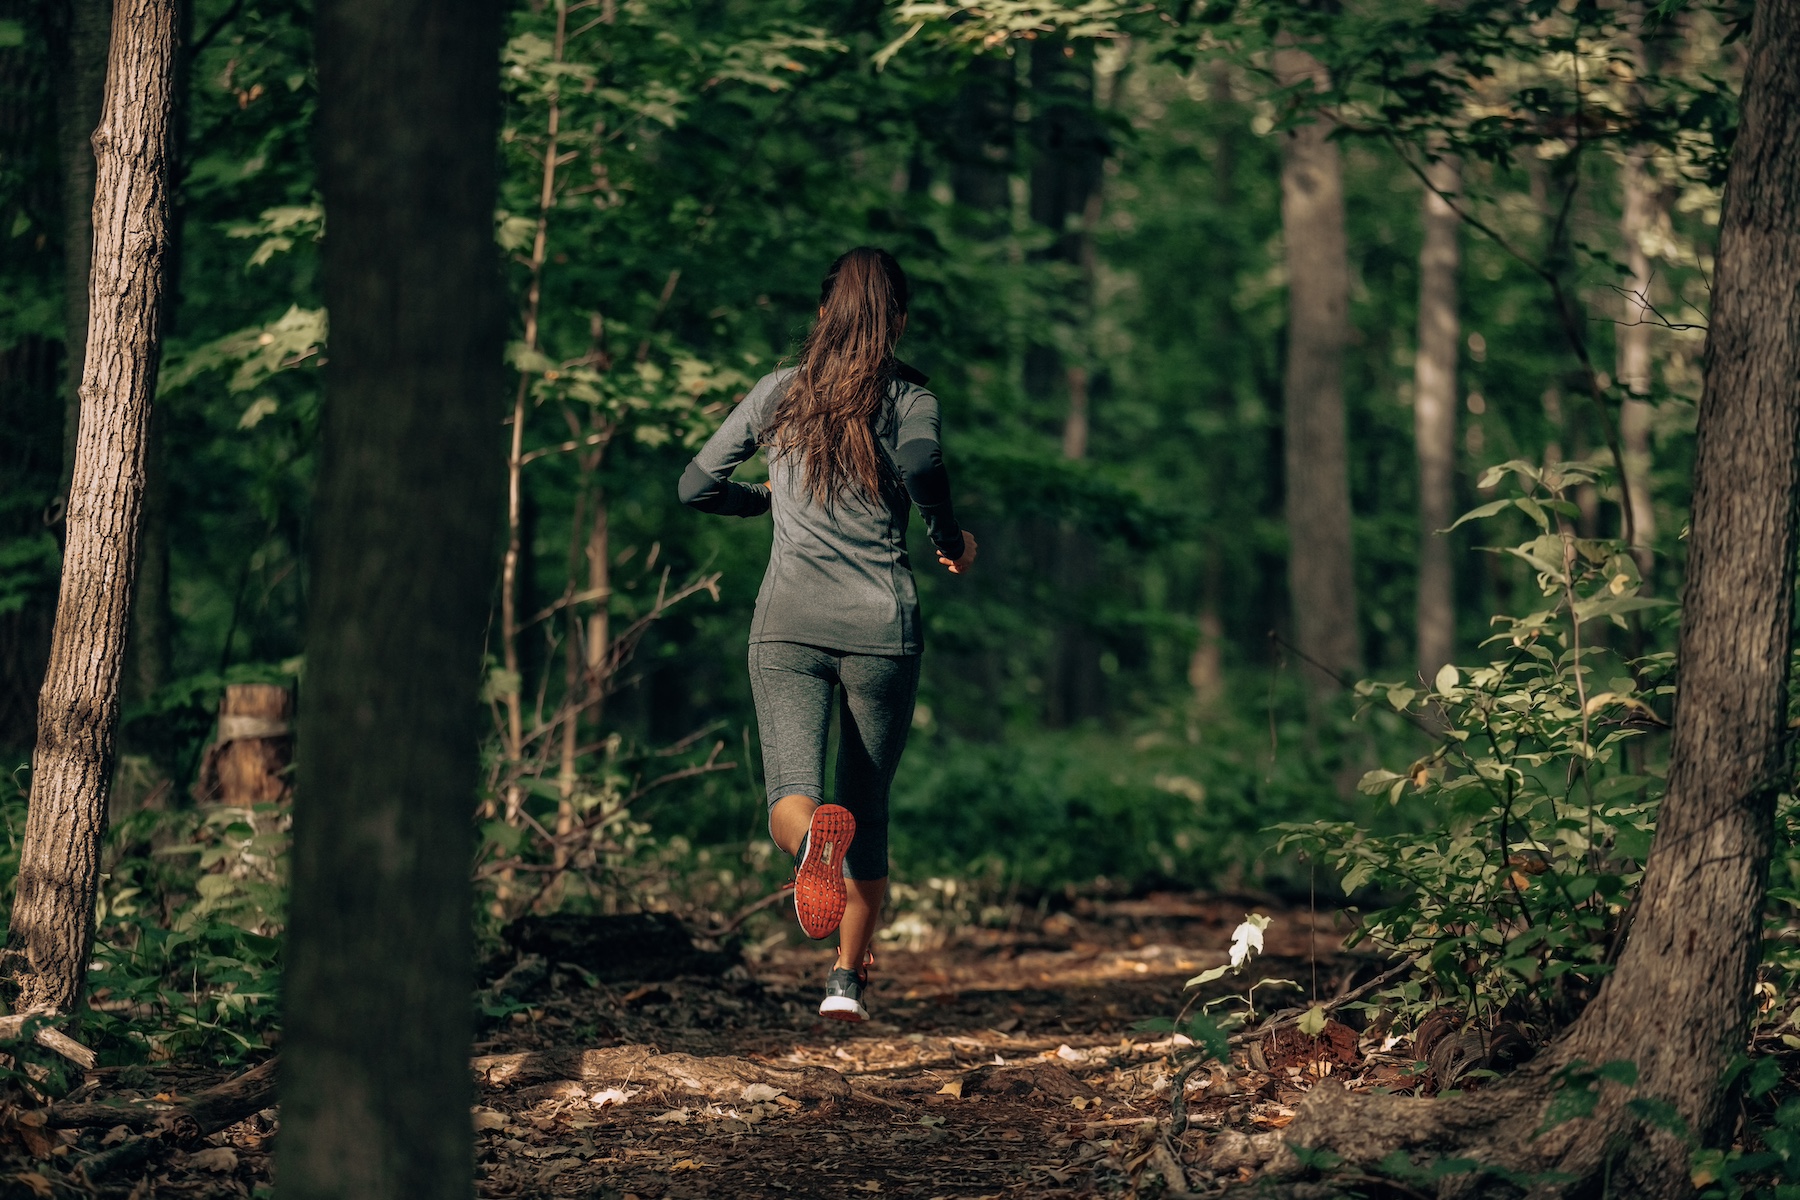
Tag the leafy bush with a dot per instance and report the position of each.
(1541, 797)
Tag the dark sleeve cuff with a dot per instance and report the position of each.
(705, 492)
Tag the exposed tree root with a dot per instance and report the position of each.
(1485, 1145)
(679, 1075)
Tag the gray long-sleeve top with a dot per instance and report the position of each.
(839, 575)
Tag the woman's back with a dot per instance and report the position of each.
(839, 575)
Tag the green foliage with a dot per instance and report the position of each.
(188, 959)
(1542, 803)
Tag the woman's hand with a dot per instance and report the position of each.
(961, 565)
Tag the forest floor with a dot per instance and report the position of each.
(1003, 1063)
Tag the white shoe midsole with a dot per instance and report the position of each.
(835, 1005)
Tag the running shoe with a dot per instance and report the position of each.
(819, 872)
(844, 995)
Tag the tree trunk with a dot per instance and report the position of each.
(78, 709)
(1640, 215)
(83, 30)
(1678, 1004)
(248, 761)
(1321, 576)
(1066, 181)
(1434, 417)
(375, 1084)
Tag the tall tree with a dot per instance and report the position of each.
(1321, 573)
(379, 972)
(78, 710)
(1678, 1004)
(1434, 415)
(1069, 151)
(1639, 215)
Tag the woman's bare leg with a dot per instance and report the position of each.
(862, 910)
(789, 820)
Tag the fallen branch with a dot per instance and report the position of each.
(49, 1037)
(718, 1079)
(199, 1115)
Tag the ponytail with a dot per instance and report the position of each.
(839, 393)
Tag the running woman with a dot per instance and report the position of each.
(851, 437)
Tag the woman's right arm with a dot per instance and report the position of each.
(706, 484)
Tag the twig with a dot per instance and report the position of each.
(768, 901)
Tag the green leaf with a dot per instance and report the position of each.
(1207, 1035)
(1312, 1021)
(1208, 976)
(1484, 511)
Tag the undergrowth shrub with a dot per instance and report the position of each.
(1538, 801)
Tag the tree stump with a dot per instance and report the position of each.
(247, 764)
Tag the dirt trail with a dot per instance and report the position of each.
(1003, 1064)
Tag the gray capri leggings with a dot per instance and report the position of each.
(792, 684)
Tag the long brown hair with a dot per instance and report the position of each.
(836, 399)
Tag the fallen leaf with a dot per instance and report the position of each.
(115, 1135)
(611, 1096)
(1068, 1053)
(868, 1185)
(686, 1164)
(677, 1116)
(484, 1118)
(218, 1158)
(953, 1088)
(757, 1093)
(37, 1183)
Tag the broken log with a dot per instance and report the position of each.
(197, 1116)
(49, 1037)
(721, 1079)
(248, 762)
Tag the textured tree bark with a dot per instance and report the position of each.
(1678, 1004)
(1641, 214)
(82, 32)
(1321, 574)
(78, 710)
(1434, 417)
(375, 1090)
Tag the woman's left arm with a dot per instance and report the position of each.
(920, 456)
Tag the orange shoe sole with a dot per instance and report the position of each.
(819, 880)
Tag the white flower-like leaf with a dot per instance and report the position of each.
(1247, 938)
